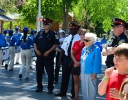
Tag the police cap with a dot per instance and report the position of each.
(118, 21)
(47, 21)
(74, 25)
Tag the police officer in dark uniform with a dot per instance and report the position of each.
(119, 38)
(44, 45)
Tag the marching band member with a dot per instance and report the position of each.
(25, 43)
(11, 40)
(2, 44)
(17, 35)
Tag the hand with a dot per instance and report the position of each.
(93, 76)
(38, 52)
(108, 72)
(77, 64)
(46, 54)
(114, 93)
(59, 63)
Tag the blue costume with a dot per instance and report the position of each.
(25, 42)
(2, 44)
(17, 35)
(11, 40)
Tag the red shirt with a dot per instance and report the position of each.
(77, 48)
(115, 81)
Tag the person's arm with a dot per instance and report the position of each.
(108, 51)
(61, 56)
(102, 87)
(36, 50)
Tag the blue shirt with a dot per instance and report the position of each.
(3, 42)
(11, 40)
(92, 62)
(32, 36)
(25, 45)
(103, 40)
(17, 35)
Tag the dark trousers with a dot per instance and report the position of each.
(66, 76)
(48, 62)
(109, 64)
(57, 67)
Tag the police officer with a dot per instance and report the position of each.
(66, 60)
(17, 35)
(45, 44)
(3, 43)
(25, 42)
(11, 45)
(119, 38)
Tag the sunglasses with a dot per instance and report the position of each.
(86, 40)
(82, 34)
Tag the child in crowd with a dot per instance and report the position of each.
(124, 90)
(111, 82)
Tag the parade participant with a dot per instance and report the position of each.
(65, 57)
(112, 80)
(17, 35)
(11, 44)
(3, 43)
(25, 42)
(58, 49)
(45, 44)
(91, 62)
(124, 90)
(104, 41)
(32, 36)
(76, 54)
(5, 33)
(118, 27)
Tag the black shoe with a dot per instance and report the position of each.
(38, 90)
(10, 69)
(72, 97)
(55, 82)
(6, 66)
(17, 63)
(50, 92)
(59, 94)
(20, 76)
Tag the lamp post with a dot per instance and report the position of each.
(39, 17)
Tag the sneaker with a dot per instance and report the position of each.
(6, 66)
(10, 69)
(17, 63)
(20, 76)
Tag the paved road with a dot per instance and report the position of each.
(11, 88)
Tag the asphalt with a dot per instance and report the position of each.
(11, 88)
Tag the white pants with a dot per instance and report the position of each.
(26, 61)
(12, 55)
(17, 56)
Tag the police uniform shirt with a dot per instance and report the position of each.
(66, 42)
(25, 44)
(122, 38)
(45, 41)
(3, 42)
(11, 40)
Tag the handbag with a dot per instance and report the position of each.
(70, 64)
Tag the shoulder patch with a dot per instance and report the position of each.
(121, 41)
(56, 36)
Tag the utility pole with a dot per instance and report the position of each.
(39, 17)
